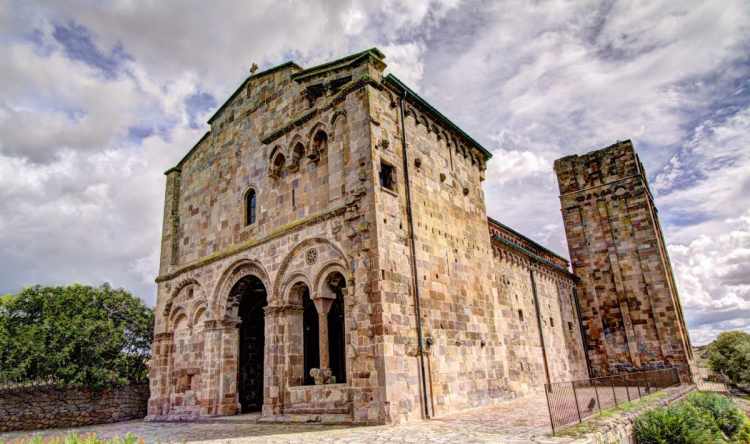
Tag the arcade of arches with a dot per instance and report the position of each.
(229, 365)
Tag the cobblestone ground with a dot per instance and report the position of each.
(518, 421)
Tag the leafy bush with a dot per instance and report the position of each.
(701, 418)
(730, 419)
(680, 424)
(729, 355)
(75, 335)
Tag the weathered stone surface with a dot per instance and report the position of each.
(43, 407)
(630, 308)
(442, 309)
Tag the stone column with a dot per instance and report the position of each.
(323, 303)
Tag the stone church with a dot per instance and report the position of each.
(326, 256)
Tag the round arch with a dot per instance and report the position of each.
(281, 275)
(231, 275)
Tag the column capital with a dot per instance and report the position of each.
(281, 308)
(218, 324)
(164, 336)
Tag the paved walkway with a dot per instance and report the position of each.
(518, 421)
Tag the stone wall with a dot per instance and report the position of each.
(43, 407)
(313, 217)
(629, 302)
(476, 351)
(321, 151)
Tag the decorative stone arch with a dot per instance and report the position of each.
(297, 151)
(198, 310)
(286, 289)
(177, 314)
(231, 275)
(338, 114)
(318, 139)
(276, 162)
(319, 125)
(323, 273)
(410, 112)
(281, 276)
(182, 299)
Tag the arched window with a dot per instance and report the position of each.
(276, 164)
(319, 145)
(297, 153)
(251, 207)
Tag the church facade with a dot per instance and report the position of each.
(326, 256)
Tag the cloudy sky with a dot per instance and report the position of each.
(97, 99)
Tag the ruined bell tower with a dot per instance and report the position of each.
(630, 310)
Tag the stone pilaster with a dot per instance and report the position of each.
(221, 365)
(279, 361)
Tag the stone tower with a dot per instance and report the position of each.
(630, 310)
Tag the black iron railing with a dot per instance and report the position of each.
(573, 401)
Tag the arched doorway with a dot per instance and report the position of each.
(252, 297)
(336, 333)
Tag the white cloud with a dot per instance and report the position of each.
(405, 61)
(80, 199)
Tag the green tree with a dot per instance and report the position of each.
(76, 334)
(729, 355)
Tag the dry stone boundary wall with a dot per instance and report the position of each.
(49, 406)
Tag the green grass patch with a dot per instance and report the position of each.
(76, 439)
(591, 423)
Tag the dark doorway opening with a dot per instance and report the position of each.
(252, 297)
(336, 332)
(310, 338)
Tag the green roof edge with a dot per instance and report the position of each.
(327, 65)
(531, 241)
(252, 76)
(390, 78)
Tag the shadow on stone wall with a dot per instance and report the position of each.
(50, 406)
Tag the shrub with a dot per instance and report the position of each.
(730, 419)
(75, 335)
(682, 423)
(700, 418)
(729, 355)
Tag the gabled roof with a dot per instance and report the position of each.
(289, 64)
(401, 87)
(350, 60)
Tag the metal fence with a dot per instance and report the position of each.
(573, 401)
(708, 380)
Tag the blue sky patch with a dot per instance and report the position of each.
(78, 45)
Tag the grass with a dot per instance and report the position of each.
(76, 439)
(591, 423)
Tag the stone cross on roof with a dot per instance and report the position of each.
(253, 68)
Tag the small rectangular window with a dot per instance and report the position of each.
(387, 176)
(551, 322)
(520, 315)
(570, 326)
